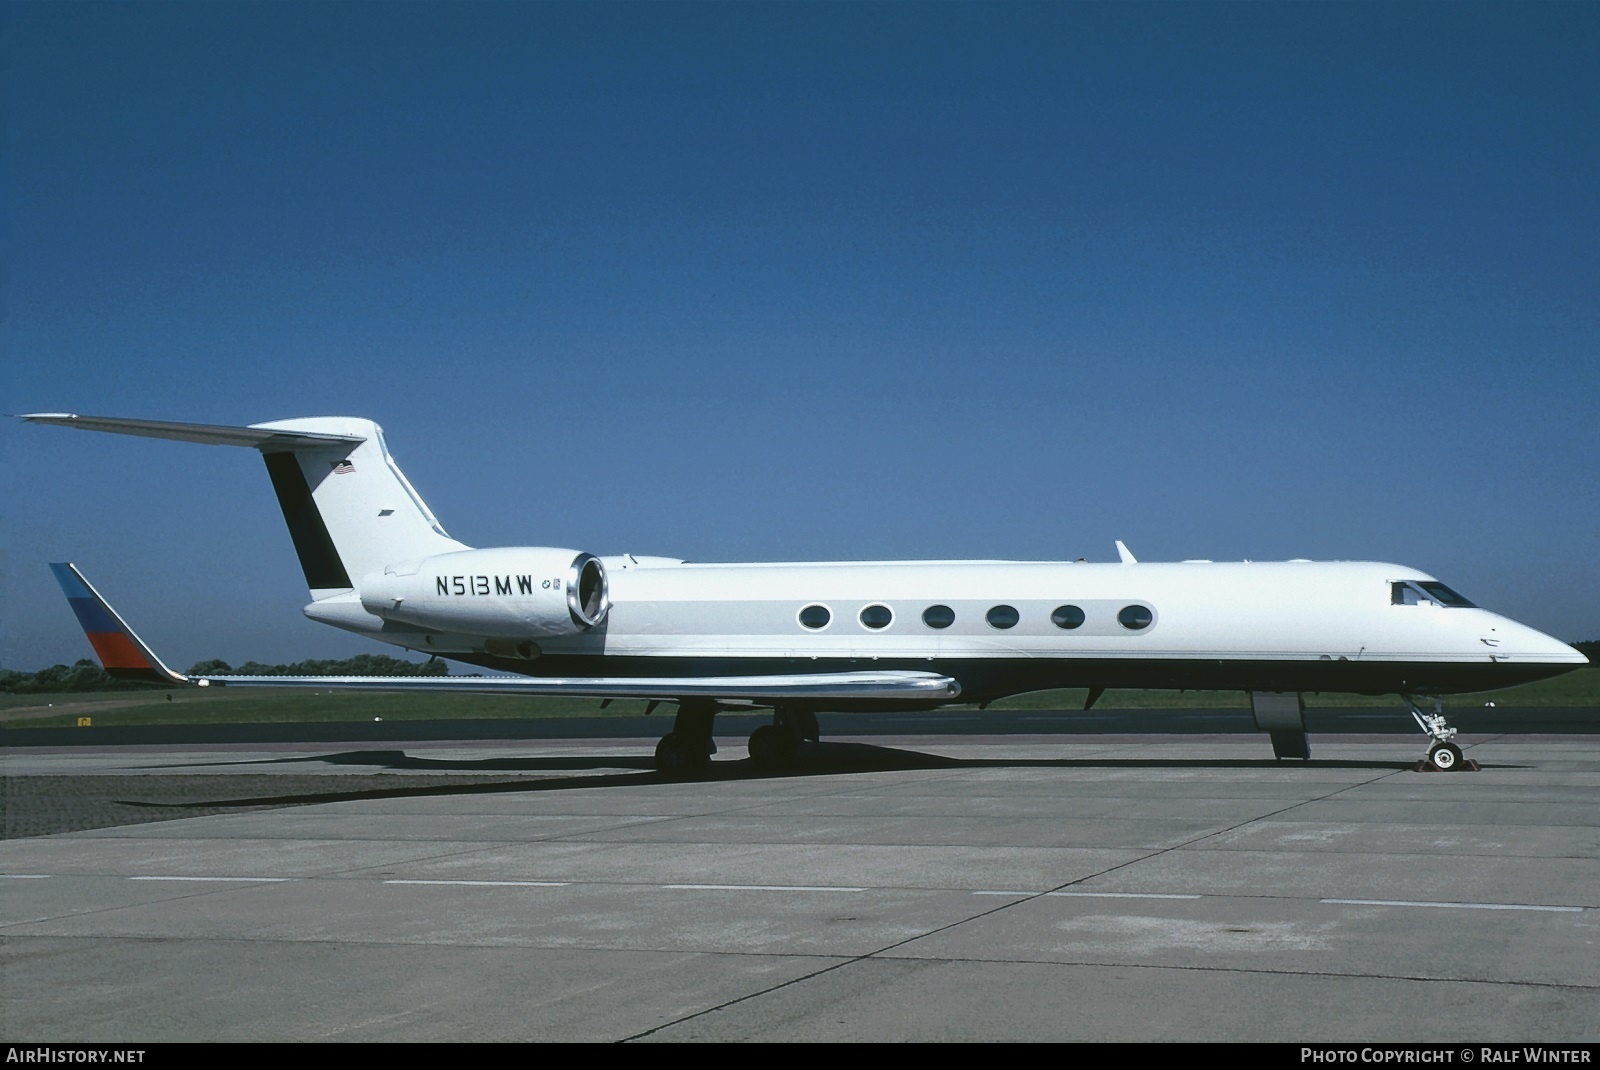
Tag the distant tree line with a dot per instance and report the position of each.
(360, 665)
(86, 675)
(82, 675)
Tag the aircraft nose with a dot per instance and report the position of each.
(1508, 640)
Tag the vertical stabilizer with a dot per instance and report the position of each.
(349, 508)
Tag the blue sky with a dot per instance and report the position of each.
(775, 282)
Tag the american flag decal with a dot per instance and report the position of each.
(343, 468)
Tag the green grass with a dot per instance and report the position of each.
(247, 705)
(272, 705)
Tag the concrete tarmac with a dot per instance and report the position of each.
(965, 888)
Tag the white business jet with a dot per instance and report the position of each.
(802, 637)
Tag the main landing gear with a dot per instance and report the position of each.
(1443, 754)
(687, 749)
(774, 746)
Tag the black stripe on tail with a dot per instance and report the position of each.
(318, 557)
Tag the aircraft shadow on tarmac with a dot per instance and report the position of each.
(815, 759)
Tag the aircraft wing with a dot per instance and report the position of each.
(127, 657)
(838, 685)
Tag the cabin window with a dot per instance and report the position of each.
(938, 616)
(876, 617)
(815, 617)
(1067, 617)
(1002, 617)
(1135, 618)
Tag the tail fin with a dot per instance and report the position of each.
(349, 508)
(122, 653)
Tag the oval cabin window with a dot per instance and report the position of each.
(1002, 617)
(815, 617)
(1067, 617)
(876, 617)
(1135, 618)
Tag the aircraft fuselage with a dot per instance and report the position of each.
(998, 627)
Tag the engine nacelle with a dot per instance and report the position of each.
(519, 592)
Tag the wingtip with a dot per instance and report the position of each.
(121, 652)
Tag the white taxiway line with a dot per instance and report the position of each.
(1451, 906)
(1122, 895)
(490, 884)
(755, 888)
(230, 880)
(1333, 902)
(1016, 894)
(1099, 895)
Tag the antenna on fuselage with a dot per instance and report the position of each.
(1126, 554)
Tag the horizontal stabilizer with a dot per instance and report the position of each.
(265, 439)
(121, 652)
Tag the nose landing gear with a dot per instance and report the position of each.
(1443, 755)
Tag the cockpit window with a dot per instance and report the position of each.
(1445, 596)
(1416, 592)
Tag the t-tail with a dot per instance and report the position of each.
(350, 509)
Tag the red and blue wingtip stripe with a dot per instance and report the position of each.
(122, 653)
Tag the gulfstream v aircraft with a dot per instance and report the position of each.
(802, 637)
